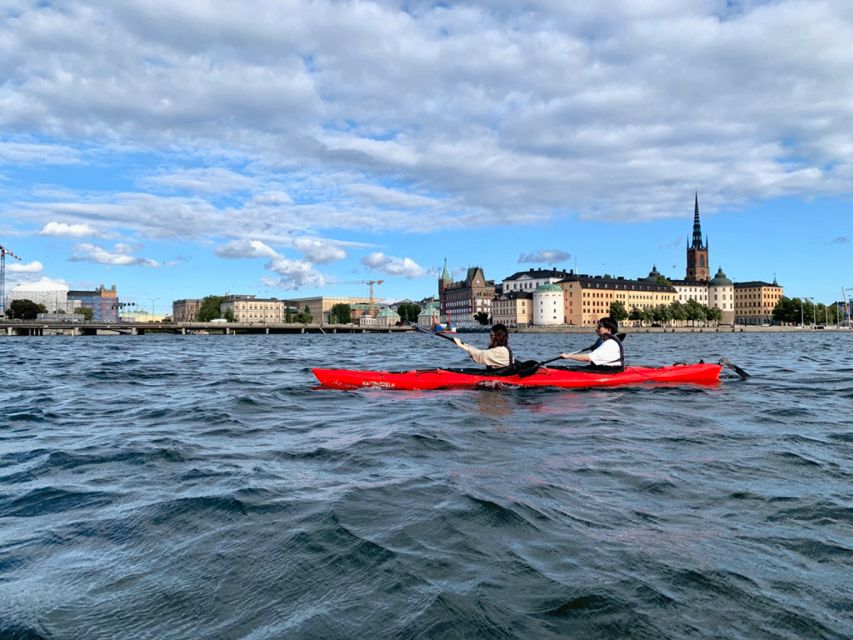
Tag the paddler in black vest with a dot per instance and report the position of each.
(607, 355)
(497, 356)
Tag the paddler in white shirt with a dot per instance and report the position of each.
(607, 356)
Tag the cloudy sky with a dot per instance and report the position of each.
(292, 148)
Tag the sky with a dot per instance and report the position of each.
(302, 147)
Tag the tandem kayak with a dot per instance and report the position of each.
(699, 373)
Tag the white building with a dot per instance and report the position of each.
(721, 295)
(529, 280)
(53, 295)
(548, 307)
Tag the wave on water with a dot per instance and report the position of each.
(170, 487)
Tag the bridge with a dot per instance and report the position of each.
(41, 328)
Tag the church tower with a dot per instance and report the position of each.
(697, 253)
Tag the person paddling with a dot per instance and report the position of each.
(497, 356)
(607, 355)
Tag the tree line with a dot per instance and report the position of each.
(690, 311)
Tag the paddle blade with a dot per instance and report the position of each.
(527, 368)
(727, 363)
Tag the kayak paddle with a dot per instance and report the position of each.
(727, 363)
(529, 367)
(432, 333)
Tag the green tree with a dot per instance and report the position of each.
(695, 311)
(408, 311)
(618, 311)
(659, 279)
(209, 308)
(677, 312)
(340, 313)
(305, 317)
(25, 309)
(86, 312)
(661, 313)
(482, 317)
(714, 314)
(229, 315)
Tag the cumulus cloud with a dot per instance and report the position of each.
(25, 267)
(393, 266)
(475, 109)
(121, 255)
(545, 256)
(246, 249)
(63, 229)
(294, 274)
(319, 250)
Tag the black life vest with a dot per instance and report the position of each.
(609, 368)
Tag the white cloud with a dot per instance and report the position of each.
(63, 229)
(19, 153)
(246, 249)
(393, 266)
(295, 274)
(119, 256)
(203, 180)
(469, 114)
(545, 256)
(319, 250)
(25, 267)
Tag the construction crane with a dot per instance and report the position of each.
(370, 284)
(4, 251)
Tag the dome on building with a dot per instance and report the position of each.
(720, 280)
(653, 276)
(548, 287)
(53, 295)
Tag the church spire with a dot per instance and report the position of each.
(697, 227)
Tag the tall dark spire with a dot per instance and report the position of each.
(697, 227)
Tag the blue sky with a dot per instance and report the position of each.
(294, 148)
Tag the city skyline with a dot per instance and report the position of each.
(203, 152)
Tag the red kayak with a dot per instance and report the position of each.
(700, 373)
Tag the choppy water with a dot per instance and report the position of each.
(200, 487)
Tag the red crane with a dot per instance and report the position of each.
(4, 251)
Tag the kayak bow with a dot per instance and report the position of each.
(700, 373)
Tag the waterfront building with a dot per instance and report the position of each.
(429, 315)
(461, 301)
(530, 279)
(755, 301)
(103, 302)
(185, 310)
(514, 309)
(721, 295)
(320, 306)
(248, 308)
(387, 317)
(548, 305)
(588, 298)
(53, 295)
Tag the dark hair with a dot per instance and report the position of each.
(500, 336)
(610, 324)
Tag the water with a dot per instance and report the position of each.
(200, 487)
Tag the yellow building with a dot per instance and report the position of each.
(588, 298)
(253, 310)
(320, 306)
(514, 309)
(755, 301)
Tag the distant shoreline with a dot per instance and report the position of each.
(720, 329)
